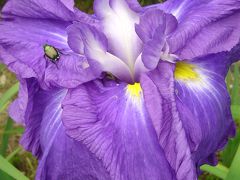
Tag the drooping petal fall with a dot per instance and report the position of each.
(204, 26)
(23, 50)
(60, 157)
(112, 121)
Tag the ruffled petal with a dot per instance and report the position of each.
(65, 158)
(59, 156)
(22, 50)
(204, 104)
(158, 90)
(118, 24)
(154, 29)
(218, 36)
(19, 108)
(112, 121)
(196, 16)
(95, 47)
(55, 9)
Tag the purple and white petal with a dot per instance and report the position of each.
(60, 157)
(118, 24)
(112, 121)
(194, 16)
(95, 49)
(204, 104)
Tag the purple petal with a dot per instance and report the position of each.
(54, 9)
(18, 109)
(151, 20)
(154, 29)
(95, 49)
(218, 36)
(70, 71)
(204, 104)
(158, 89)
(194, 16)
(23, 52)
(118, 24)
(23, 49)
(112, 121)
(68, 159)
(234, 54)
(59, 156)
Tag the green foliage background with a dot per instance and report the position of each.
(15, 163)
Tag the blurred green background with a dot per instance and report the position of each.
(15, 163)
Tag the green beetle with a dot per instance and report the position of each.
(51, 53)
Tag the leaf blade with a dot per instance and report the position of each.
(9, 169)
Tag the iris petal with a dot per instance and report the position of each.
(158, 89)
(60, 157)
(23, 52)
(118, 23)
(112, 121)
(154, 29)
(218, 36)
(197, 16)
(55, 9)
(204, 105)
(95, 49)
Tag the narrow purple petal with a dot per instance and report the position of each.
(154, 29)
(151, 20)
(112, 121)
(158, 89)
(18, 109)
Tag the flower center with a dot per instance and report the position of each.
(134, 90)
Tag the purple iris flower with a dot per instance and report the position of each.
(135, 92)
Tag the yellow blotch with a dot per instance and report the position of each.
(134, 90)
(186, 72)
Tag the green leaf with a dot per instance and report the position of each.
(236, 112)
(7, 96)
(10, 156)
(230, 150)
(235, 91)
(234, 171)
(5, 137)
(219, 170)
(9, 169)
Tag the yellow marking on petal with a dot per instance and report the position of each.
(134, 90)
(186, 72)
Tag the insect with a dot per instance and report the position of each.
(51, 53)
